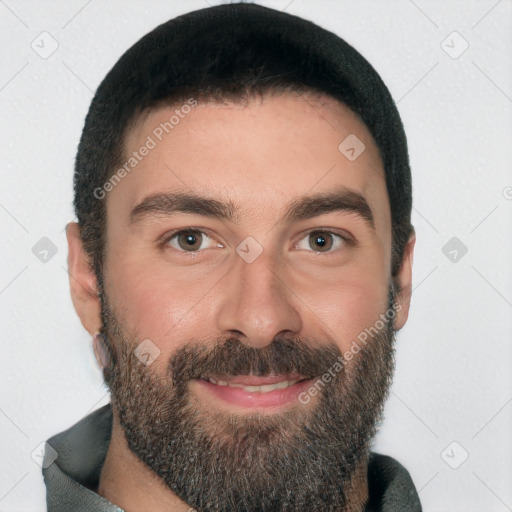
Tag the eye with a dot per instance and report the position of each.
(193, 240)
(189, 240)
(323, 241)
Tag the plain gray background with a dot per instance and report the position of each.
(447, 64)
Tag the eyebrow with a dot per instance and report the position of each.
(301, 208)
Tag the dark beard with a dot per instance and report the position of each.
(302, 459)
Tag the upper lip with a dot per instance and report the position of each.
(255, 380)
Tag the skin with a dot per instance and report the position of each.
(261, 156)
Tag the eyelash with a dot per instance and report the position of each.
(170, 236)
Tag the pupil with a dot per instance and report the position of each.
(320, 240)
(190, 239)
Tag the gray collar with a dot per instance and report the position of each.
(72, 477)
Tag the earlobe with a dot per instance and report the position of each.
(82, 281)
(404, 280)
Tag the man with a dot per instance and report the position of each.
(242, 259)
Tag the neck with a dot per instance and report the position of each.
(129, 484)
(357, 491)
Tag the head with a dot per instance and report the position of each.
(244, 210)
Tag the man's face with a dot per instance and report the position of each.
(262, 298)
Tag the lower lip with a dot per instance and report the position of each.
(249, 400)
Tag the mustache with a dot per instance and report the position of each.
(232, 357)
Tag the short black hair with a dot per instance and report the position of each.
(232, 52)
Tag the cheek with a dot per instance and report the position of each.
(350, 305)
(153, 305)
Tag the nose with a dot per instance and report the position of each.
(257, 303)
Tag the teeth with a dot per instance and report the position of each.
(256, 389)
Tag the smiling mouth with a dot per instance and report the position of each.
(249, 391)
(262, 388)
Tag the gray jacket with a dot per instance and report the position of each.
(74, 458)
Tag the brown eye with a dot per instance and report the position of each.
(322, 241)
(188, 240)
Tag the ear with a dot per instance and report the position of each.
(82, 281)
(404, 280)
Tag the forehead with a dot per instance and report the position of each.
(260, 154)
